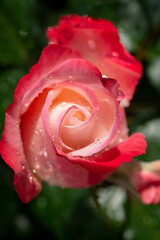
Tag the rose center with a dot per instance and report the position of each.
(80, 116)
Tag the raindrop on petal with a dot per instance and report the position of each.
(91, 44)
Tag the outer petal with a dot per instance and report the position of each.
(51, 57)
(108, 161)
(147, 182)
(43, 160)
(25, 138)
(11, 147)
(98, 41)
(27, 185)
(72, 70)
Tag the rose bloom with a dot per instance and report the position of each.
(65, 125)
(146, 180)
(97, 41)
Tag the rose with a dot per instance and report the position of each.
(141, 178)
(97, 40)
(65, 125)
(146, 180)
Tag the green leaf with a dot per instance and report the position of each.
(17, 32)
(143, 222)
(71, 214)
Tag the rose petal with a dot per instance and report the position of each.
(98, 42)
(26, 184)
(51, 57)
(58, 113)
(74, 70)
(106, 162)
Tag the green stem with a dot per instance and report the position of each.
(94, 196)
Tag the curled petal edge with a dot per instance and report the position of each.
(108, 161)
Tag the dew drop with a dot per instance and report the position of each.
(17, 123)
(34, 171)
(104, 76)
(115, 54)
(91, 44)
(37, 165)
(23, 167)
(26, 104)
(30, 178)
(97, 139)
(45, 153)
(18, 154)
(36, 132)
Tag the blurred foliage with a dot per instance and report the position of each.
(66, 214)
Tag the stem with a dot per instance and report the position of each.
(127, 216)
(94, 196)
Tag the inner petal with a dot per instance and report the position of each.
(69, 109)
(70, 96)
(80, 116)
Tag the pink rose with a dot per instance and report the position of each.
(97, 40)
(65, 125)
(147, 182)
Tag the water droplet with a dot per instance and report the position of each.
(97, 139)
(49, 166)
(104, 76)
(34, 171)
(23, 167)
(17, 123)
(26, 105)
(37, 165)
(36, 132)
(43, 152)
(30, 178)
(91, 44)
(115, 54)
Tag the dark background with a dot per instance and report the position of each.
(71, 214)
